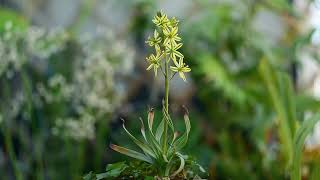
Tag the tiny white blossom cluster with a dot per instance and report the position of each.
(17, 47)
(93, 91)
(10, 57)
(43, 43)
(77, 128)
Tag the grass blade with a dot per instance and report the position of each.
(300, 137)
(270, 78)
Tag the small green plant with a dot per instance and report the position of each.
(161, 145)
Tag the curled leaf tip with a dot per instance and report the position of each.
(112, 145)
(186, 111)
(123, 121)
(142, 124)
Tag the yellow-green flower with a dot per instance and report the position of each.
(161, 19)
(172, 50)
(171, 34)
(174, 22)
(155, 40)
(180, 68)
(154, 61)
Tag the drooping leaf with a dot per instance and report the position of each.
(182, 163)
(131, 153)
(300, 137)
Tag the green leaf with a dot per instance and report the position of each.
(89, 176)
(131, 153)
(270, 78)
(182, 163)
(154, 144)
(113, 170)
(159, 131)
(315, 170)
(102, 176)
(182, 141)
(287, 96)
(219, 78)
(143, 132)
(300, 137)
(146, 149)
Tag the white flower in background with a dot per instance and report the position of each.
(78, 129)
(94, 89)
(10, 56)
(58, 89)
(43, 43)
(18, 47)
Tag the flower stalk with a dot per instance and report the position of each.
(166, 102)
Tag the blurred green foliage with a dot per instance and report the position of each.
(247, 115)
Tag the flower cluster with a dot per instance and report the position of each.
(19, 47)
(95, 87)
(166, 42)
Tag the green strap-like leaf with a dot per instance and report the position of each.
(315, 170)
(131, 153)
(182, 163)
(150, 140)
(300, 137)
(155, 144)
(285, 133)
(182, 141)
(143, 132)
(147, 150)
(159, 131)
(287, 95)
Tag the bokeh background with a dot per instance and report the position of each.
(70, 69)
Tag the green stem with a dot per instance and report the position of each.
(12, 156)
(27, 90)
(166, 103)
(8, 138)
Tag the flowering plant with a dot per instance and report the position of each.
(161, 145)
